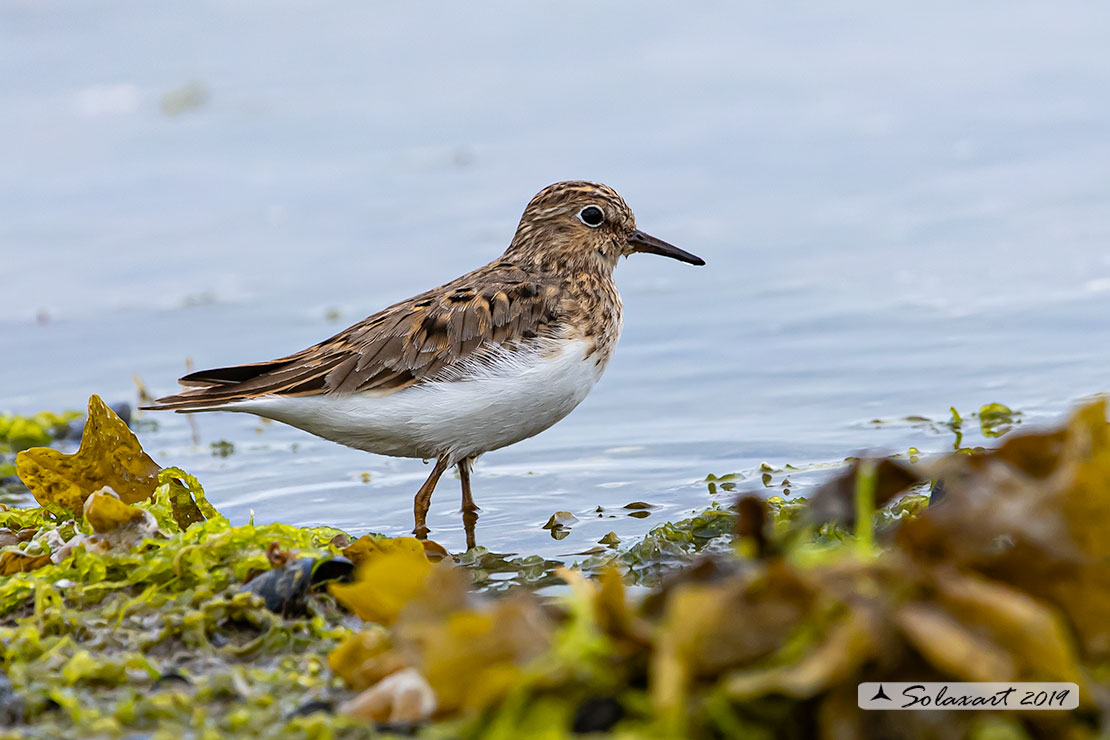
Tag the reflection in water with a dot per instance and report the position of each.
(494, 571)
(470, 520)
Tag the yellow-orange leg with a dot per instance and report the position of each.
(465, 466)
(469, 508)
(424, 499)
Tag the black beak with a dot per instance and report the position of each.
(642, 242)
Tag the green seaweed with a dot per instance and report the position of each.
(19, 433)
(86, 641)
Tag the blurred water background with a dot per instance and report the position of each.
(903, 208)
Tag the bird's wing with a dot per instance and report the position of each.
(402, 345)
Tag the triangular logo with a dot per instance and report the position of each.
(881, 694)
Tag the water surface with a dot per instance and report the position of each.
(902, 210)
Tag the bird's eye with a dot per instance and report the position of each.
(591, 216)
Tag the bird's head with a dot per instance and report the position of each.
(584, 223)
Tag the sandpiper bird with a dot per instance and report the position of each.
(487, 360)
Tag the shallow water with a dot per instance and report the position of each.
(901, 210)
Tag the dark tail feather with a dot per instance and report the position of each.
(231, 375)
(208, 389)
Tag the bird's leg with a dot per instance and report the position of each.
(424, 499)
(468, 505)
(469, 508)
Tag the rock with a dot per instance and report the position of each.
(284, 589)
(400, 697)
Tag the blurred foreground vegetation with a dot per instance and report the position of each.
(129, 607)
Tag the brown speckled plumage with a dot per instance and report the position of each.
(554, 282)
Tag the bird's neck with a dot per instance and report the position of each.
(593, 309)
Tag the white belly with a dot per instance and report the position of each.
(516, 397)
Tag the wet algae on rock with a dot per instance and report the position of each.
(129, 607)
